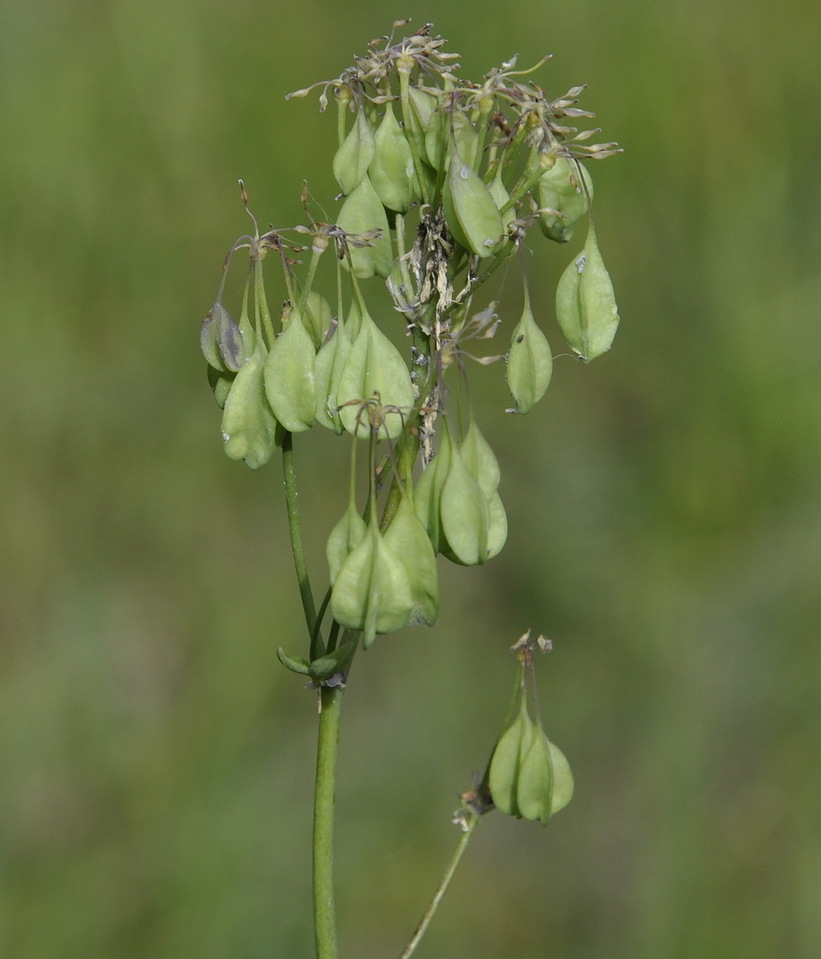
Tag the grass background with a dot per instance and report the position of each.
(664, 506)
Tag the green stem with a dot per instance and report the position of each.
(292, 507)
(330, 704)
(471, 819)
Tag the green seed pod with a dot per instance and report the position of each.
(562, 779)
(374, 375)
(407, 538)
(362, 212)
(372, 592)
(480, 459)
(221, 340)
(438, 137)
(289, 377)
(428, 492)
(349, 531)
(346, 535)
(315, 316)
(465, 516)
(470, 210)
(497, 526)
(423, 106)
(560, 189)
(221, 384)
(529, 362)
(330, 361)
(392, 172)
(534, 790)
(352, 159)
(506, 762)
(585, 303)
(501, 197)
(248, 423)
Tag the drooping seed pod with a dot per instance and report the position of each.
(248, 423)
(586, 308)
(289, 377)
(563, 784)
(529, 364)
(409, 542)
(372, 592)
(352, 159)
(315, 316)
(330, 361)
(470, 210)
(362, 213)
(529, 776)
(480, 459)
(221, 384)
(506, 762)
(534, 790)
(465, 517)
(392, 171)
(561, 189)
(221, 340)
(374, 380)
(443, 131)
(346, 535)
(423, 106)
(497, 525)
(427, 494)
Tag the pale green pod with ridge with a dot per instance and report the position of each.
(427, 494)
(248, 423)
(289, 377)
(374, 376)
(505, 764)
(422, 107)
(561, 189)
(497, 525)
(363, 212)
(352, 159)
(470, 210)
(408, 540)
(221, 384)
(586, 308)
(465, 517)
(392, 171)
(221, 340)
(315, 316)
(563, 784)
(480, 459)
(372, 592)
(529, 364)
(534, 790)
(346, 535)
(438, 136)
(330, 361)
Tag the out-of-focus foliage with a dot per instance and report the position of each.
(665, 531)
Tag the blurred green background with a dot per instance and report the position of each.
(664, 506)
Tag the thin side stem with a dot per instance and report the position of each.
(471, 820)
(330, 704)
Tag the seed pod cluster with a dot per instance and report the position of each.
(382, 581)
(440, 182)
(458, 502)
(529, 776)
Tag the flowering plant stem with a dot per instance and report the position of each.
(432, 205)
(330, 705)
